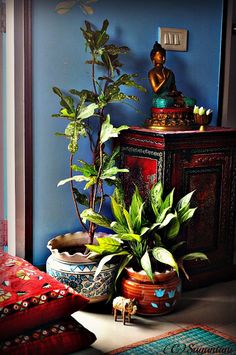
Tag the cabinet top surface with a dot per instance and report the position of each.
(208, 131)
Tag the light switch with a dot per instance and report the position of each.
(173, 39)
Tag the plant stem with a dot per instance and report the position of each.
(73, 196)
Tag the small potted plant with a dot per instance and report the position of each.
(147, 246)
(85, 111)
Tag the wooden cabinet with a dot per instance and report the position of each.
(192, 160)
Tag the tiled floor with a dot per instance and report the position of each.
(214, 306)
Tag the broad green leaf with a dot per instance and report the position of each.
(184, 201)
(81, 198)
(119, 228)
(96, 218)
(136, 208)
(138, 219)
(146, 265)
(77, 178)
(168, 202)
(123, 264)
(105, 260)
(188, 215)
(164, 256)
(95, 248)
(130, 236)
(156, 198)
(167, 220)
(128, 220)
(108, 131)
(92, 181)
(65, 113)
(87, 111)
(119, 195)
(144, 230)
(195, 256)
(112, 172)
(110, 245)
(117, 211)
(173, 228)
(162, 215)
(86, 169)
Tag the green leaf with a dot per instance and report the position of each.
(87, 111)
(80, 198)
(119, 228)
(123, 264)
(184, 201)
(173, 228)
(168, 202)
(92, 181)
(135, 206)
(128, 220)
(164, 256)
(156, 198)
(187, 215)
(118, 195)
(95, 248)
(130, 236)
(167, 220)
(109, 244)
(96, 218)
(195, 256)
(86, 169)
(112, 172)
(105, 260)
(64, 112)
(77, 178)
(146, 265)
(137, 224)
(117, 211)
(108, 131)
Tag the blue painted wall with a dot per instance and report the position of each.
(58, 60)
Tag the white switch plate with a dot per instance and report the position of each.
(173, 39)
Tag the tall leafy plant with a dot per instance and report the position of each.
(86, 109)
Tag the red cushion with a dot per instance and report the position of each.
(61, 337)
(30, 298)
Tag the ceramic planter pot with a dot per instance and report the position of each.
(153, 299)
(76, 270)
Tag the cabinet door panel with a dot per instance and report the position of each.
(207, 173)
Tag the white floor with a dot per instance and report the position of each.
(214, 306)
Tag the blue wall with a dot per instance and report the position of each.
(58, 60)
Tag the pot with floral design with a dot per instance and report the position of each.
(69, 265)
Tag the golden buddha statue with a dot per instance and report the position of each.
(162, 81)
(170, 108)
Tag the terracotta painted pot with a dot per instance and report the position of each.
(77, 270)
(153, 299)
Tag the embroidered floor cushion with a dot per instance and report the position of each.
(30, 297)
(60, 337)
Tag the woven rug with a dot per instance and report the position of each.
(195, 339)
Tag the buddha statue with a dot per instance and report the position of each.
(170, 108)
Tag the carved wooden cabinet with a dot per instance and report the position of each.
(192, 160)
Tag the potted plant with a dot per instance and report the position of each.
(85, 111)
(146, 243)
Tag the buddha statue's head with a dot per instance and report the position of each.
(158, 54)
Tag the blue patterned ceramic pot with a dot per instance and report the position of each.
(76, 270)
(156, 298)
